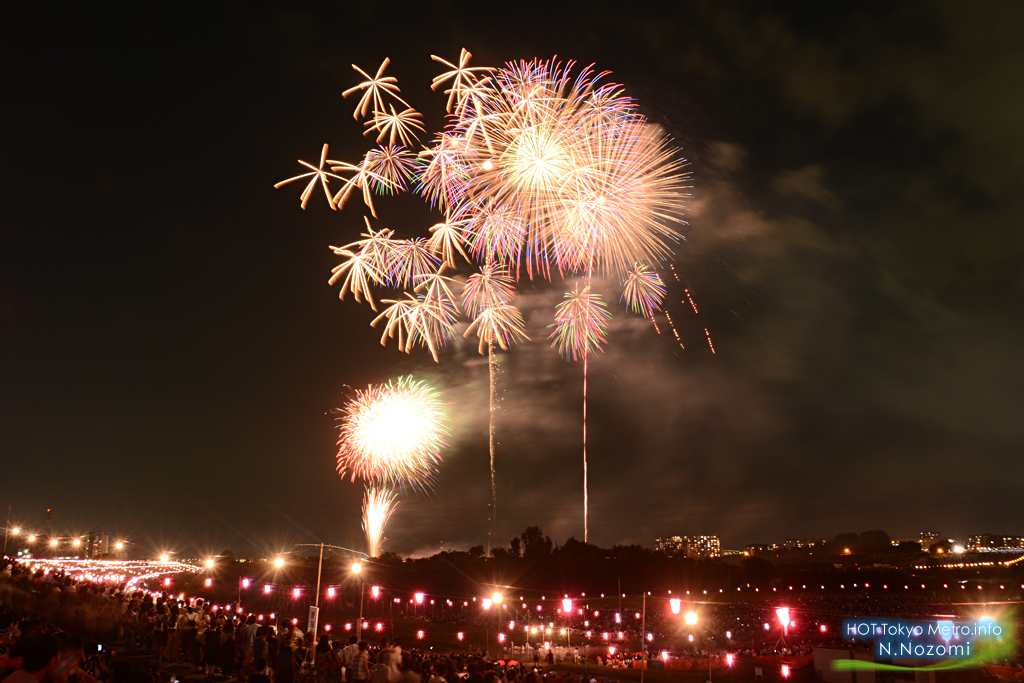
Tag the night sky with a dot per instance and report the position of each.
(172, 353)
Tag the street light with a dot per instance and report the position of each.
(165, 557)
(278, 562)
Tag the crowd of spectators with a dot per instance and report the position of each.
(55, 629)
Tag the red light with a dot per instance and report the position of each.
(327, 627)
(419, 598)
(245, 583)
(567, 605)
(296, 592)
(728, 660)
(824, 628)
(295, 621)
(167, 582)
(676, 604)
(375, 591)
(209, 582)
(330, 592)
(785, 671)
(266, 589)
(420, 634)
(461, 635)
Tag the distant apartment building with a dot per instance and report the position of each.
(985, 542)
(927, 538)
(803, 543)
(755, 549)
(690, 546)
(91, 546)
(97, 544)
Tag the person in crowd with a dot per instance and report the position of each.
(38, 653)
(211, 650)
(284, 672)
(348, 656)
(259, 671)
(228, 651)
(360, 670)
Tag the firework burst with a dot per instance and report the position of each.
(378, 504)
(392, 434)
(644, 291)
(542, 167)
(581, 324)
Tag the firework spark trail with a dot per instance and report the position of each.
(492, 362)
(691, 301)
(581, 323)
(586, 501)
(392, 434)
(674, 330)
(378, 504)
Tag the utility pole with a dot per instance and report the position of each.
(7, 527)
(643, 639)
(316, 602)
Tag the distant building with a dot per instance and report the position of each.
(756, 549)
(97, 545)
(986, 542)
(690, 546)
(927, 538)
(91, 546)
(801, 543)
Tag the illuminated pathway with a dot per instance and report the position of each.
(113, 571)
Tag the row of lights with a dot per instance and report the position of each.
(31, 538)
(496, 598)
